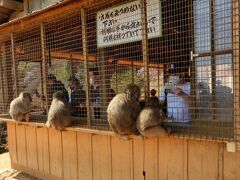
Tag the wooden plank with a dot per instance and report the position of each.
(122, 163)
(101, 157)
(176, 159)
(21, 145)
(84, 147)
(43, 149)
(231, 165)
(163, 157)
(55, 152)
(221, 147)
(69, 140)
(151, 158)
(12, 142)
(138, 159)
(31, 144)
(202, 160)
(185, 159)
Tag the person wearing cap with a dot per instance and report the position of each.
(53, 85)
(77, 98)
(176, 97)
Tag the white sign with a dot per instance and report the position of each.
(122, 24)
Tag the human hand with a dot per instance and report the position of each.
(178, 91)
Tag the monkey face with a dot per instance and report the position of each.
(59, 95)
(133, 91)
(26, 97)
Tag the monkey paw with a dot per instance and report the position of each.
(168, 130)
(27, 117)
(124, 137)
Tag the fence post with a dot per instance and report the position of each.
(44, 65)
(15, 66)
(145, 47)
(85, 56)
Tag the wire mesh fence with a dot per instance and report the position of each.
(187, 51)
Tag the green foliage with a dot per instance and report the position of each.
(23, 69)
(62, 71)
(120, 80)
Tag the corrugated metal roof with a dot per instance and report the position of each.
(34, 13)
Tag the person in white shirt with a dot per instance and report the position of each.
(176, 95)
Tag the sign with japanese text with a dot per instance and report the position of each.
(122, 24)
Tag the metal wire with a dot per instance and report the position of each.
(190, 45)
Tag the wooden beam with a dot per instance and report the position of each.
(15, 67)
(236, 70)
(145, 47)
(44, 65)
(85, 57)
(2, 81)
(103, 83)
(128, 62)
(71, 55)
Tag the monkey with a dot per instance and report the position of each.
(20, 107)
(59, 115)
(123, 111)
(151, 118)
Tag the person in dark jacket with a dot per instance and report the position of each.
(77, 98)
(53, 85)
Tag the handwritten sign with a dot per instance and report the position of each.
(122, 24)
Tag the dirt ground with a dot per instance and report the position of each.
(6, 173)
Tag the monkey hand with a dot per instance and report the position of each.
(27, 117)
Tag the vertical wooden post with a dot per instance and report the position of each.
(71, 65)
(15, 67)
(236, 69)
(145, 47)
(2, 82)
(42, 82)
(103, 94)
(85, 56)
(7, 73)
(132, 72)
(44, 65)
(26, 6)
(158, 84)
(213, 63)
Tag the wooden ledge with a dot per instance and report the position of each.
(110, 133)
(43, 125)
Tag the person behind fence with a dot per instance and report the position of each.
(77, 98)
(94, 92)
(175, 98)
(53, 85)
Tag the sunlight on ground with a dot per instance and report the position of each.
(6, 173)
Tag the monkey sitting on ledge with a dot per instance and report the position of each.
(20, 107)
(150, 118)
(123, 111)
(59, 115)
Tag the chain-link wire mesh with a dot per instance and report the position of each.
(188, 51)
